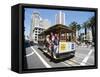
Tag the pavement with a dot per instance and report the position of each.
(35, 58)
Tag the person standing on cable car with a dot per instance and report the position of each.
(52, 38)
(56, 43)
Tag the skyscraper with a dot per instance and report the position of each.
(45, 23)
(60, 18)
(37, 26)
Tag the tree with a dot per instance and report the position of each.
(73, 25)
(76, 27)
(92, 26)
(86, 26)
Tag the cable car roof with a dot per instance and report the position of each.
(57, 29)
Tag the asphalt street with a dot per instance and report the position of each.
(35, 58)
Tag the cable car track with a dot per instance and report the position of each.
(71, 63)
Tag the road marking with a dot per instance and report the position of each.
(86, 58)
(29, 54)
(71, 63)
(65, 64)
(74, 61)
(43, 61)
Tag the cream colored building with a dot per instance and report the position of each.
(38, 25)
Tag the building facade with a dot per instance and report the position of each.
(38, 25)
(89, 36)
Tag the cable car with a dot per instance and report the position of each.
(66, 41)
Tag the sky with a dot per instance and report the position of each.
(79, 16)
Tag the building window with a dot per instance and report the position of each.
(35, 39)
(35, 31)
(35, 34)
(39, 32)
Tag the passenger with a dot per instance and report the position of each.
(48, 42)
(52, 38)
(56, 43)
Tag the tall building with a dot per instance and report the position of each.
(45, 23)
(38, 25)
(60, 18)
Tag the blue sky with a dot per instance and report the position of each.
(79, 16)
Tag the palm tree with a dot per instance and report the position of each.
(90, 24)
(78, 28)
(73, 26)
(86, 27)
(92, 27)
